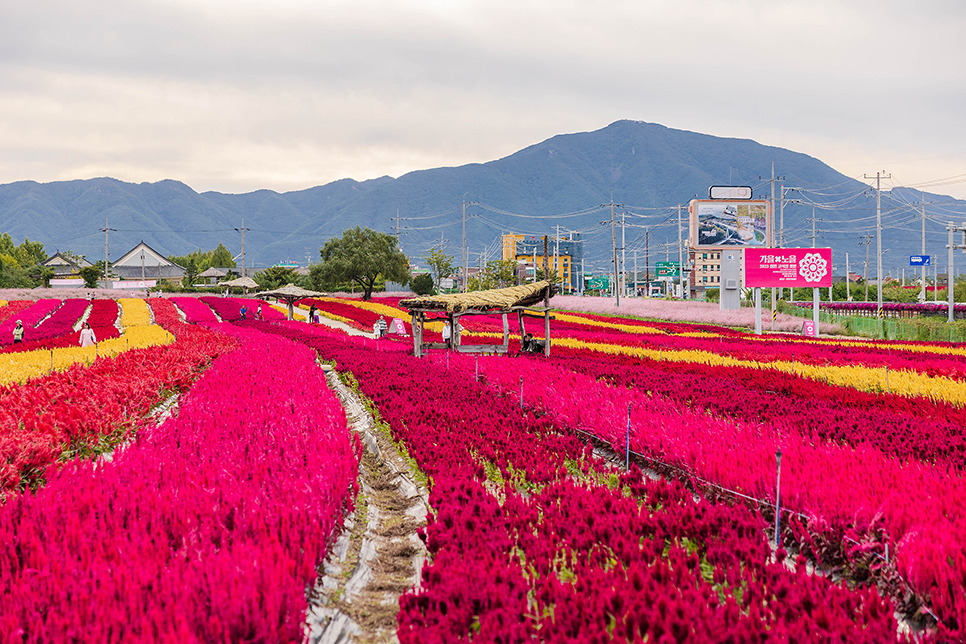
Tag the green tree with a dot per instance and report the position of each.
(221, 257)
(46, 274)
(276, 276)
(361, 256)
(440, 264)
(190, 272)
(90, 274)
(422, 284)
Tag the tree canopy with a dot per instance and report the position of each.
(360, 257)
(440, 264)
(275, 277)
(205, 259)
(16, 261)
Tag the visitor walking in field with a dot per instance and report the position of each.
(18, 332)
(87, 337)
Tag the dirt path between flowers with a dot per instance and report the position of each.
(378, 556)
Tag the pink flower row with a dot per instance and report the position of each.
(30, 317)
(858, 489)
(207, 528)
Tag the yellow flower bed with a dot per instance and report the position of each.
(3, 302)
(134, 312)
(902, 382)
(19, 367)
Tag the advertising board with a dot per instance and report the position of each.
(717, 223)
(788, 267)
(919, 260)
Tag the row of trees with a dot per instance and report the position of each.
(20, 265)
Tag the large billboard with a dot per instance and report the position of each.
(717, 223)
(787, 267)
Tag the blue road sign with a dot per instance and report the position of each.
(919, 260)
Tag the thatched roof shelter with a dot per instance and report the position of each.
(496, 299)
(242, 282)
(289, 294)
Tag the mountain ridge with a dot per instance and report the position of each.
(643, 165)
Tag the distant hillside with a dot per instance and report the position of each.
(646, 167)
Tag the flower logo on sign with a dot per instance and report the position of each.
(813, 267)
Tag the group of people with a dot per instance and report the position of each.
(87, 337)
(244, 312)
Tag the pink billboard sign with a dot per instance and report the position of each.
(798, 267)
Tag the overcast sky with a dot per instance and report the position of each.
(237, 95)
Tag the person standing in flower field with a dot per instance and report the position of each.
(18, 332)
(312, 316)
(258, 312)
(381, 327)
(243, 312)
(87, 337)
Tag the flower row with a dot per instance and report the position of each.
(30, 317)
(206, 528)
(73, 410)
(20, 367)
(530, 542)
(909, 429)
(857, 489)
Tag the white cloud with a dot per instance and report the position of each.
(248, 94)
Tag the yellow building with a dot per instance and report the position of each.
(564, 255)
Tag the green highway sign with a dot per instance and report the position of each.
(668, 269)
(602, 283)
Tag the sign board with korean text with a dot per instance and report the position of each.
(729, 192)
(716, 223)
(788, 267)
(808, 328)
(668, 269)
(919, 260)
(397, 327)
(601, 283)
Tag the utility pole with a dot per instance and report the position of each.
(107, 265)
(623, 252)
(398, 245)
(635, 273)
(242, 231)
(556, 256)
(464, 241)
(848, 280)
(878, 233)
(868, 241)
(680, 258)
(922, 292)
(647, 260)
(613, 236)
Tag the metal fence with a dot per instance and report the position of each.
(917, 329)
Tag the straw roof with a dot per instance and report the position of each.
(213, 272)
(498, 298)
(290, 292)
(243, 282)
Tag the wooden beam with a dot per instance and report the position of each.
(481, 348)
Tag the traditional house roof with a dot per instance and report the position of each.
(497, 299)
(143, 262)
(65, 265)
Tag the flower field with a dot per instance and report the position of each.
(212, 525)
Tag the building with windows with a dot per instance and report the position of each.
(564, 256)
(705, 269)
